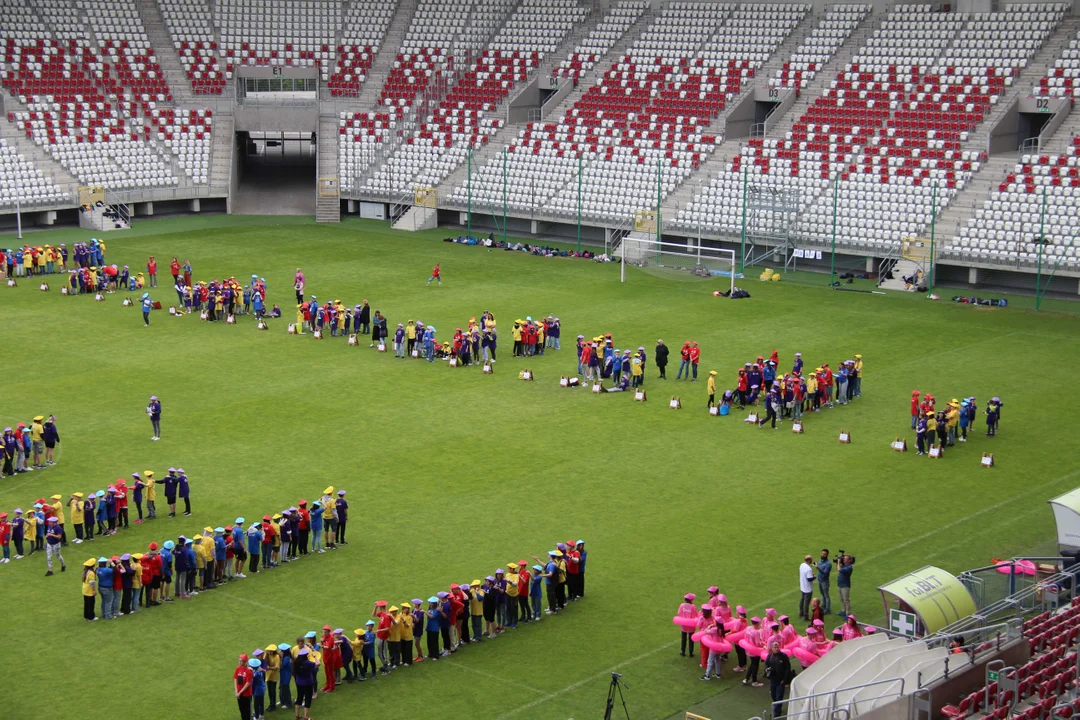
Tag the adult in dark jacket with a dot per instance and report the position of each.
(778, 670)
(364, 319)
(379, 332)
(660, 355)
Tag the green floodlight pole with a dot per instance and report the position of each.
(658, 209)
(468, 192)
(504, 195)
(742, 241)
(1040, 294)
(579, 162)
(832, 253)
(1042, 241)
(933, 240)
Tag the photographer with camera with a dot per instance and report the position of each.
(845, 565)
(824, 570)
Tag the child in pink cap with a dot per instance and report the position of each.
(736, 628)
(687, 609)
(705, 621)
(787, 632)
(713, 594)
(753, 643)
(721, 610)
(851, 629)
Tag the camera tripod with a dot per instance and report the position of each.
(615, 687)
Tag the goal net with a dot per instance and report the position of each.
(675, 261)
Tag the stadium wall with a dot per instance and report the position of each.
(881, 5)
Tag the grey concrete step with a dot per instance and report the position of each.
(385, 57)
(162, 42)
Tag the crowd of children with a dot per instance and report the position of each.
(210, 557)
(27, 449)
(720, 630)
(472, 345)
(398, 637)
(599, 360)
(935, 429)
(341, 321)
(41, 260)
(101, 513)
(793, 393)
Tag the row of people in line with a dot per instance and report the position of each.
(28, 449)
(38, 260)
(398, 637)
(211, 557)
(101, 513)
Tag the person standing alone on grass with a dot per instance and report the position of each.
(154, 411)
(151, 271)
(660, 357)
(824, 570)
(147, 306)
(298, 285)
(807, 574)
(436, 274)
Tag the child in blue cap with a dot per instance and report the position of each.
(285, 677)
(258, 686)
(317, 527)
(536, 592)
(101, 512)
(147, 305)
(367, 654)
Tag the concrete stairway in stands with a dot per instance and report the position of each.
(327, 208)
(167, 57)
(384, 59)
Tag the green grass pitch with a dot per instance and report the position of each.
(452, 473)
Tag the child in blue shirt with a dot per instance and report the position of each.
(101, 512)
(367, 655)
(317, 527)
(166, 569)
(285, 677)
(258, 687)
(39, 525)
(254, 542)
(965, 419)
(536, 591)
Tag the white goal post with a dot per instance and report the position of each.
(677, 261)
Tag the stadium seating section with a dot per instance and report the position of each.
(645, 121)
(365, 24)
(193, 38)
(464, 118)
(885, 132)
(887, 137)
(1006, 229)
(1047, 680)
